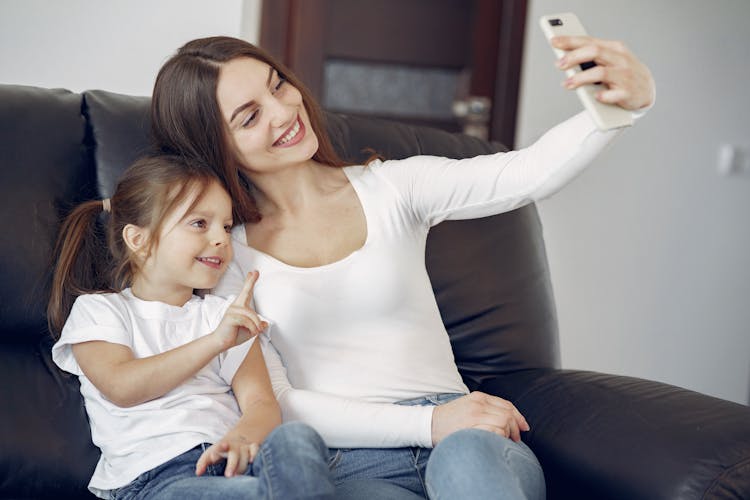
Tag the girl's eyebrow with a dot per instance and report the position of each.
(242, 107)
(198, 213)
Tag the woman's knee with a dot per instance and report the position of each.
(474, 441)
(485, 462)
(476, 448)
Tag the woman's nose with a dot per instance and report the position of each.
(282, 114)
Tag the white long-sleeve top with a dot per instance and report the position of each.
(364, 332)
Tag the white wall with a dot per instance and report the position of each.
(117, 45)
(650, 248)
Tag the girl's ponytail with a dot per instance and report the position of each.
(83, 262)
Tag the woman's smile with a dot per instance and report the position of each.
(293, 135)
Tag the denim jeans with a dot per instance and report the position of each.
(468, 464)
(291, 463)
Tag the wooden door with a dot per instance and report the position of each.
(418, 61)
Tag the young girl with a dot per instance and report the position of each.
(174, 386)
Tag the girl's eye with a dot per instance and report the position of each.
(200, 223)
(228, 228)
(250, 118)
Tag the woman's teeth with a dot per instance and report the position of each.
(288, 137)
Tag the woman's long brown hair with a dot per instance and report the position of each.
(186, 120)
(92, 257)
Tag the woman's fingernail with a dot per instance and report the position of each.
(560, 62)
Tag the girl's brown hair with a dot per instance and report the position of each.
(92, 257)
(186, 120)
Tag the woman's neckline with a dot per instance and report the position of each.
(330, 265)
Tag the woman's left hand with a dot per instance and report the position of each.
(629, 81)
(238, 455)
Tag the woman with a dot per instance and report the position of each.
(340, 250)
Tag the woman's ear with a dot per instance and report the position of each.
(136, 238)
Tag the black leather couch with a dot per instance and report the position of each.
(598, 436)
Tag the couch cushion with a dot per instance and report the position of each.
(44, 170)
(119, 126)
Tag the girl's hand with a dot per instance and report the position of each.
(478, 411)
(240, 323)
(629, 81)
(237, 453)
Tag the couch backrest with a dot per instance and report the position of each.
(490, 275)
(44, 168)
(58, 148)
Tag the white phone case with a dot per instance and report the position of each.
(606, 116)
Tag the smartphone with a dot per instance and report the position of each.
(606, 116)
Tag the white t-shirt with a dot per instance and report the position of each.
(137, 439)
(364, 332)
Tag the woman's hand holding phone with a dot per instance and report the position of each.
(608, 78)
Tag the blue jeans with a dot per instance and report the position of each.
(468, 464)
(291, 463)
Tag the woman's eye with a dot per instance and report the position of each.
(201, 224)
(281, 82)
(250, 118)
(228, 228)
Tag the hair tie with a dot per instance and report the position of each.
(107, 205)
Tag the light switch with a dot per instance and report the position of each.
(732, 160)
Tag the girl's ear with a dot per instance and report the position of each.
(136, 238)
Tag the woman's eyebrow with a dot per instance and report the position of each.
(251, 102)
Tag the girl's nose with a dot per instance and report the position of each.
(220, 237)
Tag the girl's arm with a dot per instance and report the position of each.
(260, 415)
(128, 381)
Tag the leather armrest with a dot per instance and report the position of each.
(607, 436)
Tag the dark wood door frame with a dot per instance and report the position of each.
(294, 32)
(284, 24)
(508, 72)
